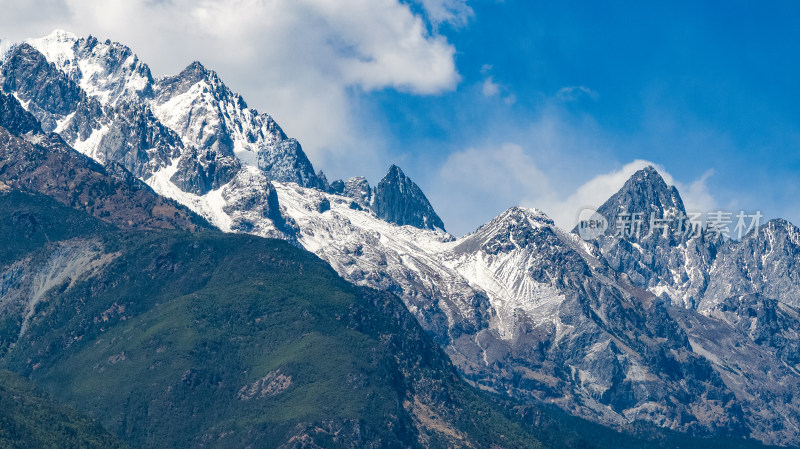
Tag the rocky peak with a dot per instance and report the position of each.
(285, 161)
(58, 47)
(647, 194)
(516, 228)
(193, 74)
(781, 229)
(652, 242)
(399, 200)
(107, 71)
(358, 188)
(336, 187)
(522, 217)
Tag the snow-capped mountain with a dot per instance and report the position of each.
(654, 242)
(673, 328)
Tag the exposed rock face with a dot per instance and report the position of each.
(252, 204)
(336, 187)
(201, 171)
(285, 161)
(45, 164)
(274, 383)
(757, 370)
(138, 141)
(765, 262)
(767, 322)
(15, 119)
(652, 241)
(399, 200)
(359, 190)
(572, 334)
(46, 91)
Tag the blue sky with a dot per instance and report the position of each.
(691, 87)
(490, 104)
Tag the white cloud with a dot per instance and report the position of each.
(484, 182)
(501, 171)
(593, 193)
(477, 183)
(456, 12)
(298, 60)
(490, 88)
(696, 196)
(573, 93)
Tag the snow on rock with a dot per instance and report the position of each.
(107, 71)
(111, 84)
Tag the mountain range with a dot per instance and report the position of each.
(687, 332)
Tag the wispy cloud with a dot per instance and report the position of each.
(456, 12)
(574, 93)
(490, 88)
(484, 182)
(594, 192)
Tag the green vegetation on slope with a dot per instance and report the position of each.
(29, 420)
(175, 339)
(181, 339)
(556, 429)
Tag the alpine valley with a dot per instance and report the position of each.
(338, 314)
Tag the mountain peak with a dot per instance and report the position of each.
(196, 66)
(647, 176)
(781, 227)
(57, 42)
(107, 71)
(515, 228)
(399, 200)
(644, 193)
(171, 86)
(358, 189)
(57, 47)
(647, 171)
(518, 217)
(195, 72)
(60, 35)
(529, 213)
